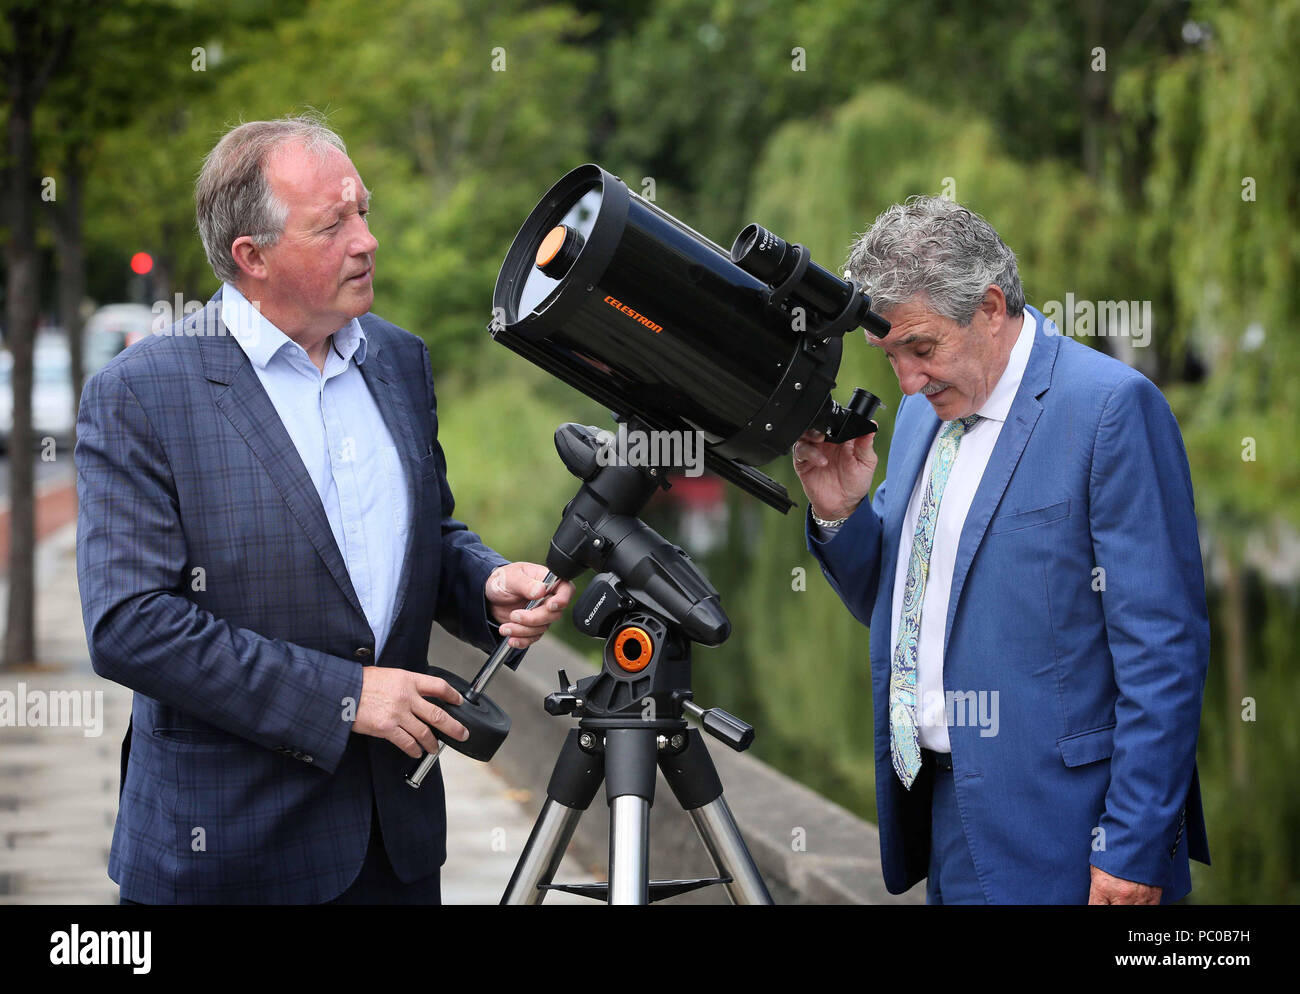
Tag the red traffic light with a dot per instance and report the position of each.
(141, 263)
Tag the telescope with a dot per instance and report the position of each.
(616, 297)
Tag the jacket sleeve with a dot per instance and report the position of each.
(462, 607)
(146, 635)
(1144, 536)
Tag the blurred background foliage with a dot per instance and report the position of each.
(1125, 151)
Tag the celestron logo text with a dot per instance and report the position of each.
(637, 316)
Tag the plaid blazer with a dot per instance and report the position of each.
(211, 585)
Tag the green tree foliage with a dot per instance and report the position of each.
(698, 86)
(1223, 216)
(1224, 202)
(458, 117)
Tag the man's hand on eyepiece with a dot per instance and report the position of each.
(835, 477)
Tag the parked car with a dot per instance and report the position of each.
(111, 329)
(52, 399)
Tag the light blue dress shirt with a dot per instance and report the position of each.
(345, 446)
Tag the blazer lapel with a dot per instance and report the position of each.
(246, 405)
(385, 387)
(1021, 419)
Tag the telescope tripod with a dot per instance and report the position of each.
(620, 741)
(650, 603)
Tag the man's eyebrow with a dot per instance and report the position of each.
(909, 340)
(326, 210)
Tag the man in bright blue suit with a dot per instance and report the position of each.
(1031, 575)
(265, 538)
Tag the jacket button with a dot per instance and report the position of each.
(364, 654)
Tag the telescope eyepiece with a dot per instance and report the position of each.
(762, 254)
(770, 258)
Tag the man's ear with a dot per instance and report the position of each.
(249, 257)
(994, 307)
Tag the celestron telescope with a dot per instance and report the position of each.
(622, 301)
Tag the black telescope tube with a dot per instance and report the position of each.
(613, 295)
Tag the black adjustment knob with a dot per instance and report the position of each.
(727, 728)
(560, 703)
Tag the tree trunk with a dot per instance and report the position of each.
(37, 49)
(1095, 90)
(72, 266)
(22, 294)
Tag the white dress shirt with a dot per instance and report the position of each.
(964, 479)
(335, 424)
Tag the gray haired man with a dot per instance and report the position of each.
(1033, 549)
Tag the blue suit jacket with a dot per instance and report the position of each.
(212, 586)
(1099, 690)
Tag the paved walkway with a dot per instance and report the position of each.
(58, 786)
(56, 506)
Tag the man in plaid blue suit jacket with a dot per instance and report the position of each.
(280, 683)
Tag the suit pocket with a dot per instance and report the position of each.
(1091, 746)
(192, 736)
(1027, 519)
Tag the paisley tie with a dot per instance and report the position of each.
(904, 736)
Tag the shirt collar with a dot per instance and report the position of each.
(262, 341)
(350, 340)
(998, 406)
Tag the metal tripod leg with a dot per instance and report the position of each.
(630, 786)
(573, 785)
(629, 850)
(727, 849)
(694, 781)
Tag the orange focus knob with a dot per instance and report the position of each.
(633, 649)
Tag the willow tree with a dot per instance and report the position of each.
(1224, 196)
